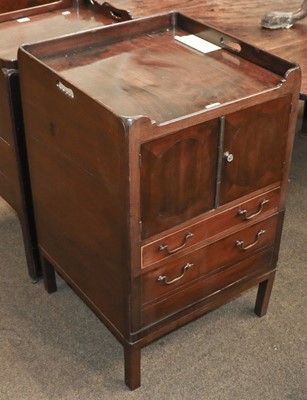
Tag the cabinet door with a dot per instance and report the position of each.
(178, 176)
(256, 139)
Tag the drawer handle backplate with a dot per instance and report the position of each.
(164, 278)
(164, 247)
(240, 243)
(248, 217)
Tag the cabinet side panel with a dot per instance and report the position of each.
(79, 177)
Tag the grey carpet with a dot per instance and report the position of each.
(53, 348)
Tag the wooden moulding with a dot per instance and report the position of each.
(259, 71)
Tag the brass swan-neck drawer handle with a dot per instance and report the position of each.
(248, 217)
(164, 278)
(164, 247)
(240, 243)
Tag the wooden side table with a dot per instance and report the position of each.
(156, 195)
(18, 24)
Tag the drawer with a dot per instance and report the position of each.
(180, 271)
(242, 213)
(211, 288)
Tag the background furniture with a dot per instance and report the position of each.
(28, 22)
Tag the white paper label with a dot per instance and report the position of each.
(197, 43)
(21, 20)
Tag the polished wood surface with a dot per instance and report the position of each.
(10, 10)
(77, 17)
(9, 181)
(190, 153)
(233, 217)
(86, 16)
(238, 18)
(207, 287)
(204, 259)
(14, 176)
(131, 9)
(242, 19)
(114, 172)
(251, 139)
(149, 65)
(9, 6)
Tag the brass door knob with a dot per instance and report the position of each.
(228, 156)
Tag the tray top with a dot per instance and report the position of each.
(151, 73)
(61, 21)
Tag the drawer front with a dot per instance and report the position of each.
(181, 271)
(209, 288)
(253, 209)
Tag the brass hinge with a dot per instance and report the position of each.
(140, 160)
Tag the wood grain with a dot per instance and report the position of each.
(104, 176)
(238, 18)
(148, 73)
(46, 25)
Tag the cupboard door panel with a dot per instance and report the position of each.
(178, 177)
(257, 139)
